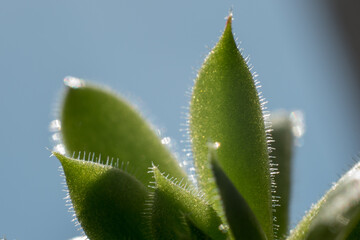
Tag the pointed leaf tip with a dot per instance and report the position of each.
(229, 20)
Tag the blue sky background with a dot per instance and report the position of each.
(150, 51)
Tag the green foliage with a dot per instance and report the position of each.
(173, 204)
(225, 108)
(118, 191)
(108, 201)
(337, 214)
(241, 219)
(283, 145)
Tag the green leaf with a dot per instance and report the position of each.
(282, 153)
(195, 232)
(225, 108)
(174, 206)
(98, 121)
(242, 221)
(336, 215)
(108, 202)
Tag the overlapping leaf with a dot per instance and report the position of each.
(242, 221)
(108, 202)
(180, 213)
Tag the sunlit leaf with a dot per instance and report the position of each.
(95, 120)
(225, 108)
(108, 202)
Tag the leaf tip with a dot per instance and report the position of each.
(73, 82)
(61, 157)
(212, 148)
(229, 19)
(56, 154)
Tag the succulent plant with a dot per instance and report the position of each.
(124, 183)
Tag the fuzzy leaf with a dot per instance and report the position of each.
(108, 202)
(173, 207)
(242, 221)
(225, 108)
(336, 215)
(98, 121)
(340, 213)
(283, 148)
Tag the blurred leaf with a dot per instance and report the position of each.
(242, 221)
(225, 108)
(340, 213)
(173, 207)
(98, 121)
(337, 214)
(282, 153)
(108, 202)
